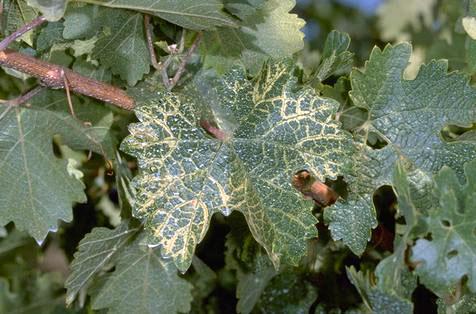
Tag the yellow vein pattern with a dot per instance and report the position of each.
(273, 131)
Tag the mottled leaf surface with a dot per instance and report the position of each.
(143, 282)
(192, 14)
(451, 252)
(266, 29)
(29, 170)
(267, 132)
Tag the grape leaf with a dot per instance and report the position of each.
(250, 262)
(29, 170)
(53, 10)
(413, 190)
(266, 29)
(376, 300)
(17, 13)
(409, 115)
(120, 45)
(410, 13)
(466, 304)
(192, 14)
(451, 252)
(95, 251)
(143, 282)
(335, 56)
(124, 48)
(265, 132)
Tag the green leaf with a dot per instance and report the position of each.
(143, 282)
(53, 10)
(249, 260)
(336, 58)
(451, 253)
(29, 170)
(266, 132)
(376, 300)
(192, 14)
(413, 190)
(123, 47)
(409, 115)
(95, 251)
(467, 304)
(288, 292)
(17, 13)
(266, 29)
(411, 13)
(120, 39)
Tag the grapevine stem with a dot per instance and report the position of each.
(184, 62)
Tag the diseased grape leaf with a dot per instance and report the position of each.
(376, 300)
(409, 115)
(29, 170)
(266, 29)
(266, 132)
(410, 13)
(450, 254)
(17, 13)
(121, 43)
(192, 14)
(143, 282)
(466, 304)
(95, 251)
(53, 10)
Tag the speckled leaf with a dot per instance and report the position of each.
(192, 14)
(267, 131)
(143, 282)
(466, 304)
(450, 254)
(95, 251)
(266, 29)
(409, 115)
(29, 170)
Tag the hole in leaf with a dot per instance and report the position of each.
(452, 132)
(429, 237)
(376, 141)
(445, 223)
(452, 253)
(56, 148)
